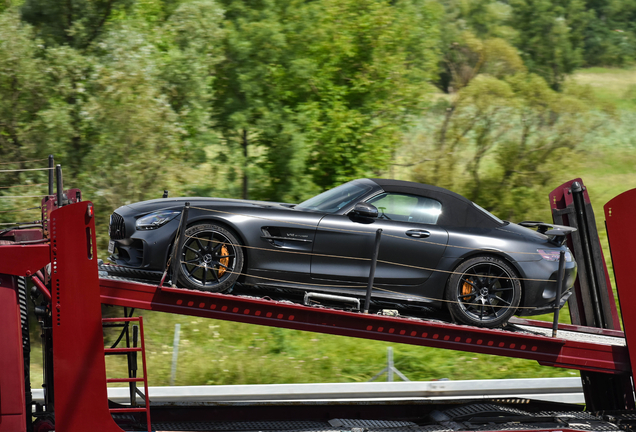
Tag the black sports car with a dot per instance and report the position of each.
(437, 248)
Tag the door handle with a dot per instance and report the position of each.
(418, 233)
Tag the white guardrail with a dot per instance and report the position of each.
(567, 390)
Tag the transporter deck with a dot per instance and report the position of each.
(576, 347)
(70, 309)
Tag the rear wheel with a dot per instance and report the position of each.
(483, 291)
(211, 258)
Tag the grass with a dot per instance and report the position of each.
(219, 352)
(616, 86)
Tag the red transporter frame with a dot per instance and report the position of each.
(81, 399)
(547, 351)
(78, 349)
(592, 303)
(12, 391)
(592, 274)
(620, 220)
(14, 260)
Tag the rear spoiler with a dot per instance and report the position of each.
(556, 233)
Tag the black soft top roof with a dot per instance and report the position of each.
(457, 211)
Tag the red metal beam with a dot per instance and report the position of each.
(545, 350)
(20, 260)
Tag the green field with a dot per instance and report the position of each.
(218, 352)
(616, 86)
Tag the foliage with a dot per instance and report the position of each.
(550, 36)
(76, 23)
(23, 88)
(464, 21)
(610, 36)
(134, 143)
(503, 134)
(251, 110)
(371, 63)
(323, 85)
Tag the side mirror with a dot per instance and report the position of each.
(365, 210)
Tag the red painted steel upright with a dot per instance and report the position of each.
(15, 260)
(562, 204)
(620, 218)
(592, 303)
(12, 390)
(81, 400)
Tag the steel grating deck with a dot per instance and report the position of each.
(514, 420)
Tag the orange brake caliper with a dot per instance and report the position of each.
(467, 289)
(225, 261)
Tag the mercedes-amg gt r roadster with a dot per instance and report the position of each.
(436, 248)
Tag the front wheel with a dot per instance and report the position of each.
(211, 258)
(483, 291)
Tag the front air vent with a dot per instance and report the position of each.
(117, 228)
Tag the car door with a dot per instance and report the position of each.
(411, 243)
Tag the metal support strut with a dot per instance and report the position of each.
(557, 300)
(374, 262)
(178, 246)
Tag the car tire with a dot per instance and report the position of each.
(483, 291)
(211, 258)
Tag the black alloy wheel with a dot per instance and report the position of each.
(211, 258)
(483, 291)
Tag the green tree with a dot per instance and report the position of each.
(189, 44)
(506, 139)
(366, 73)
(463, 21)
(550, 36)
(30, 116)
(492, 60)
(35, 119)
(322, 87)
(249, 109)
(135, 135)
(23, 87)
(610, 36)
(76, 23)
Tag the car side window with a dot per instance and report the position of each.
(407, 208)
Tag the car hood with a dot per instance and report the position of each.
(178, 203)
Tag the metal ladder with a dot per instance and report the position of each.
(131, 353)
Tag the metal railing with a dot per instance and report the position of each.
(568, 390)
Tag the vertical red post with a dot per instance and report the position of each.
(12, 393)
(620, 218)
(563, 213)
(593, 301)
(81, 400)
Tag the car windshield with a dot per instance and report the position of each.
(336, 198)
